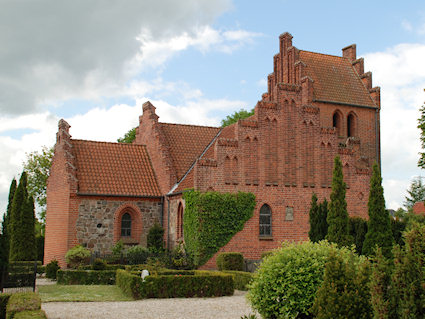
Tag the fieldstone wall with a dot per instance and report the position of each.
(95, 223)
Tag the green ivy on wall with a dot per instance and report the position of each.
(211, 219)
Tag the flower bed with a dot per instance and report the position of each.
(182, 284)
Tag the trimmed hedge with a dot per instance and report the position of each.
(31, 314)
(230, 261)
(4, 298)
(52, 269)
(108, 267)
(24, 279)
(240, 278)
(21, 302)
(23, 266)
(86, 277)
(202, 284)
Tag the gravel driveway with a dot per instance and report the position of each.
(176, 308)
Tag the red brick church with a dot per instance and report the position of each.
(317, 106)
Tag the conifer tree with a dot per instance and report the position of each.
(337, 219)
(21, 219)
(379, 231)
(318, 224)
(4, 240)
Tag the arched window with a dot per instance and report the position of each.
(265, 220)
(337, 123)
(351, 125)
(180, 221)
(126, 225)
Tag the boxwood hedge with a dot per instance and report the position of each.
(201, 284)
(86, 277)
(22, 302)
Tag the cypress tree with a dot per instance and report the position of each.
(313, 219)
(337, 211)
(318, 224)
(379, 231)
(20, 208)
(28, 248)
(5, 238)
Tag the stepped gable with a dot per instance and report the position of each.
(114, 169)
(335, 79)
(186, 143)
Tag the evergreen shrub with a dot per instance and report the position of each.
(4, 298)
(86, 277)
(155, 240)
(77, 256)
(202, 284)
(137, 255)
(98, 264)
(51, 269)
(21, 302)
(211, 219)
(240, 278)
(344, 292)
(230, 261)
(357, 228)
(286, 282)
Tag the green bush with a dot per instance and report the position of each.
(266, 254)
(20, 279)
(137, 255)
(177, 258)
(344, 292)
(155, 240)
(357, 228)
(211, 219)
(202, 284)
(98, 264)
(4, 298)
(31, 314)
(23, 266)
(51, 269)
(286, 282)
(240, 278)
(86, 277)
(230, 261)
(41, 270)
(77, 256)
(21, 302)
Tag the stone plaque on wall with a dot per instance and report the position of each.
(289, 213)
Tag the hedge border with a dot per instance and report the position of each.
(240, 278)
(4, 298)
(22, 302)
(86, 277)
(202, 284)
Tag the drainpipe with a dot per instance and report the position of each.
(162, 211)
(378, 157)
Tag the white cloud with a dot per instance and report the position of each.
(56, 50)
(400, 71)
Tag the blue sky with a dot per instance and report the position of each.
(95, 63)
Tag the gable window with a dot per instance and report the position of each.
(351, 125)
(126, 225)
(337, 123)
(265, 220)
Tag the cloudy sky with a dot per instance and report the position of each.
(94, 63)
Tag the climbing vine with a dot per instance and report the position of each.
(211, 219)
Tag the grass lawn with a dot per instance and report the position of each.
(81, 293)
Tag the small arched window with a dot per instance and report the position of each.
(126, 225)
(265, 220)
(351, 125)
(337, 123)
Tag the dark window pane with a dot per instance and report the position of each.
(126, 225)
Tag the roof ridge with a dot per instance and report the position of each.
(193, 125)
(103, 142)
(331, 55)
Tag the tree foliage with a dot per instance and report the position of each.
(128, 137)
(379, 231)
(421, 127)
(318, 215)
(344, 292)
(155, 240)
(236, 116)
(21, 224)
(5, 228)
(358, 229)
(37, 167)
(416, 193)
(337, 219)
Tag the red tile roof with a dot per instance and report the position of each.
(186, 143)
(335, 79)
(114, 169)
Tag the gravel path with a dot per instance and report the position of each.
(176, 308)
